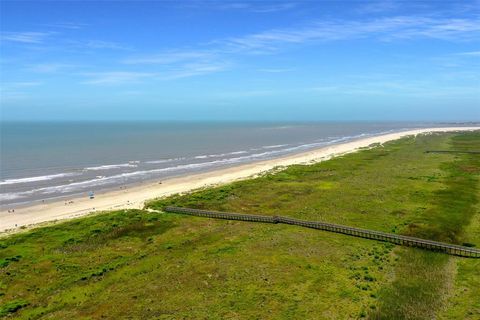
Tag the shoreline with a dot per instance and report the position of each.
(150, 181)
(134, 197)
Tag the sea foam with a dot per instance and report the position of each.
(219, 159)
(112, 166)
(38, 178)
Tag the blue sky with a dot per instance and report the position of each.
(240, 60)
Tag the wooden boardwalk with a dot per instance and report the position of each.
(357, 232)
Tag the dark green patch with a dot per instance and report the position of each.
(12, 307)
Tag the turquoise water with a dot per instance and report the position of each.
(42, 161)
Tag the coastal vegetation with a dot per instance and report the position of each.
(150, 264)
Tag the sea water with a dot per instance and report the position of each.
(49, 160)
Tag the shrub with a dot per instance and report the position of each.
(12, 306)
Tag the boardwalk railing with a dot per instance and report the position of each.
(452, 151)
(357, 232)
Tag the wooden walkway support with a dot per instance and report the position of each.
(357, 232)
(452, 151)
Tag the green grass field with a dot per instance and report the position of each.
(151, 265)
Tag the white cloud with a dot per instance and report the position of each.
(218, 55)
(276, 70)
(401, 27)
(94, 44)
(50, 67)
(25, 37)
(66, 25)
(21, 84)
(378, 6)
(116, 77)
(258, 7)
(99, 44)
(194, 69)
(178, 72)
(248, 6)
(63, 43)
(181, 64)
(274, 7)
(211, 58)
(470, 54)
(170, 57)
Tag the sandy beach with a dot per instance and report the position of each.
(135, 197)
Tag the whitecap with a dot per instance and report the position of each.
(111, 166)
(275, 146)
(38, 178)
(164, 160)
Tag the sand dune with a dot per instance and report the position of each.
(135, 197)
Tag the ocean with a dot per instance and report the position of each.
(51, 160)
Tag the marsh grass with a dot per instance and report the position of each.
(423, 279)
(141, 264)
